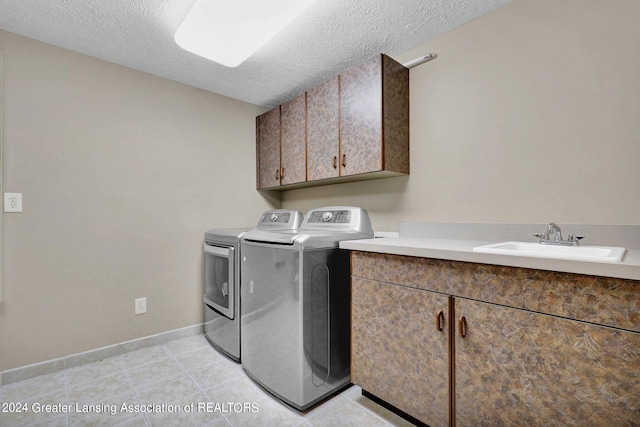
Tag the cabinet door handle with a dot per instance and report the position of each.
(440, 321)
(462, 327)
(344, 160)
(335, 162)
(282, 173)
(277, 174)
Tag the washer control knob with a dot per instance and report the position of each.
(274, 217)
(327, 216)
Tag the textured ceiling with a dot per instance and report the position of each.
(327, 39)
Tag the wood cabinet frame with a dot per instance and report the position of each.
(281, 145)
(357, 128)
(268, 149)
(552, 338)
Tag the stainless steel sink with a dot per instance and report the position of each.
(578, 253)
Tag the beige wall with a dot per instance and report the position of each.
(121, 174)
(529, 114)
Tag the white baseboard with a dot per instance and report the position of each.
(50, 366)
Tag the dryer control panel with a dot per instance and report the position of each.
(280, 219)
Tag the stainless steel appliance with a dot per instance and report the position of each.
(222, 280)
(295, 305)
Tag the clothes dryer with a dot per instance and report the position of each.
(222, 279)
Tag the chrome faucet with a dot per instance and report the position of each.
(553, 236)
(553, 229)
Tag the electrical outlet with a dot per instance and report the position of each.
(141, 305)
(13, 202)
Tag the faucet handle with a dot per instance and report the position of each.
(541, 236)
(575, 239)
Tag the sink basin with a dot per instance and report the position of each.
(578, 253)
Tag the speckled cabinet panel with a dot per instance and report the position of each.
(402, 270)
(521, 368)
(258, 152)
(397, 352)
(293, 148)
(323, 138)
(361, 118)
(601, 300)
(395, 111)
(269, 148)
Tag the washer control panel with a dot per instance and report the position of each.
(336, 217)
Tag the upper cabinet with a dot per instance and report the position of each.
(268, 148)
(374, 118)
(323, 131)
(356, 127)
(281, 136)
(293, 152)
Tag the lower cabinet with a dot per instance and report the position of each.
(514, 367)
(400, 347)
(450, 360)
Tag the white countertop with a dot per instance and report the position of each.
(462, 250)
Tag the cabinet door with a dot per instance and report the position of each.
(361, 118)
(397, 351)
(515, 367)
(395, 116)
(268, 149)
(293, 146)
(323, 139)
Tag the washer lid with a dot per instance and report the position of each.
(225, 235)
(321, 228)
(284, 237)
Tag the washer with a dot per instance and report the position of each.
(295, 305)
(222, 279)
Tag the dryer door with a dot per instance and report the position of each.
(219, 279)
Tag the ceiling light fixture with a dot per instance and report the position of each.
(229, 31)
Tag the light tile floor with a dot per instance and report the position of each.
(186, 382)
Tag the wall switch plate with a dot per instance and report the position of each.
(141, 305)
(13, 202)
